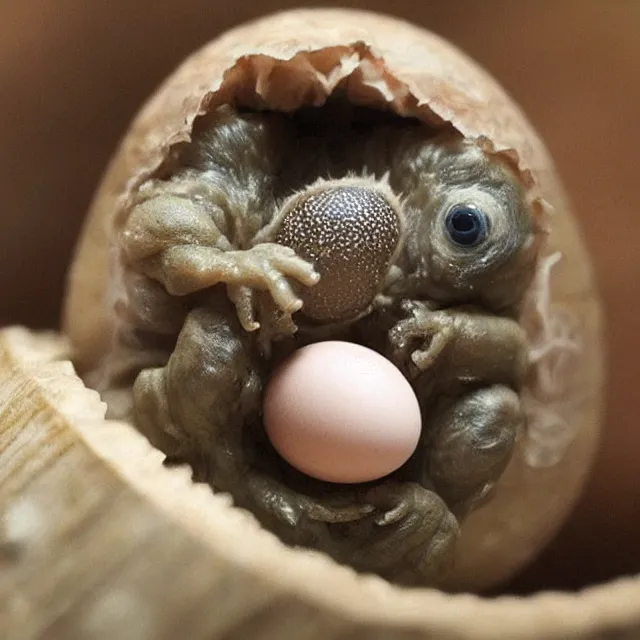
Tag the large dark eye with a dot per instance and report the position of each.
(466, 225)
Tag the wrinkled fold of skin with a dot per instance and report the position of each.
(198, 254)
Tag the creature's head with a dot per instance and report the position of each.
(474, 237)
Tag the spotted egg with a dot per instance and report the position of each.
(350, 234)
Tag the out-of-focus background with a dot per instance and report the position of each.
(73, 73)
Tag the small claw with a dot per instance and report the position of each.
(427, 357)
(301, 272)
(296, 305)
(395, 498)
(288, 263)
(250, 327)
(392, 516)
(421, 359)
(288, 515)
(242, 298)
(248, 323)
(337, 515)
(281, 292)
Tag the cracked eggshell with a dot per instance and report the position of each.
(297, 58)
(92, 524)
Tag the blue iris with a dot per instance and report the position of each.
(466, 225)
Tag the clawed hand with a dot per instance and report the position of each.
(267, 267)
(416, 535)
(413, 535)
(432, 330)
(296, 509)
(397, 500)
(394, 501)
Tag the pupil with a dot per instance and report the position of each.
(464, 221)
(467, 226)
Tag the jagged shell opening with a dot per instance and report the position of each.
(309, 79)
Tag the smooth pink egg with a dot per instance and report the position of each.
(340, 412)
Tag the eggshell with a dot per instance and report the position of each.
(340, 412)
(297, 59)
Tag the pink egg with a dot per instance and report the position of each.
(340, 412)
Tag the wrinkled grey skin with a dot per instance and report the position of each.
(202, 264)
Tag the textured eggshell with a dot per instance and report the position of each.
(296, 58)
(340, 412)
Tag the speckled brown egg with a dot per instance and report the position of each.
(349, 233)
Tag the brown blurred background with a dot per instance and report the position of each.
(72, 74)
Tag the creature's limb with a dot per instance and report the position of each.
(199, 409)
(467, 345)
(178, 242)
(209, 388)
(411, 539)
(470, 443)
